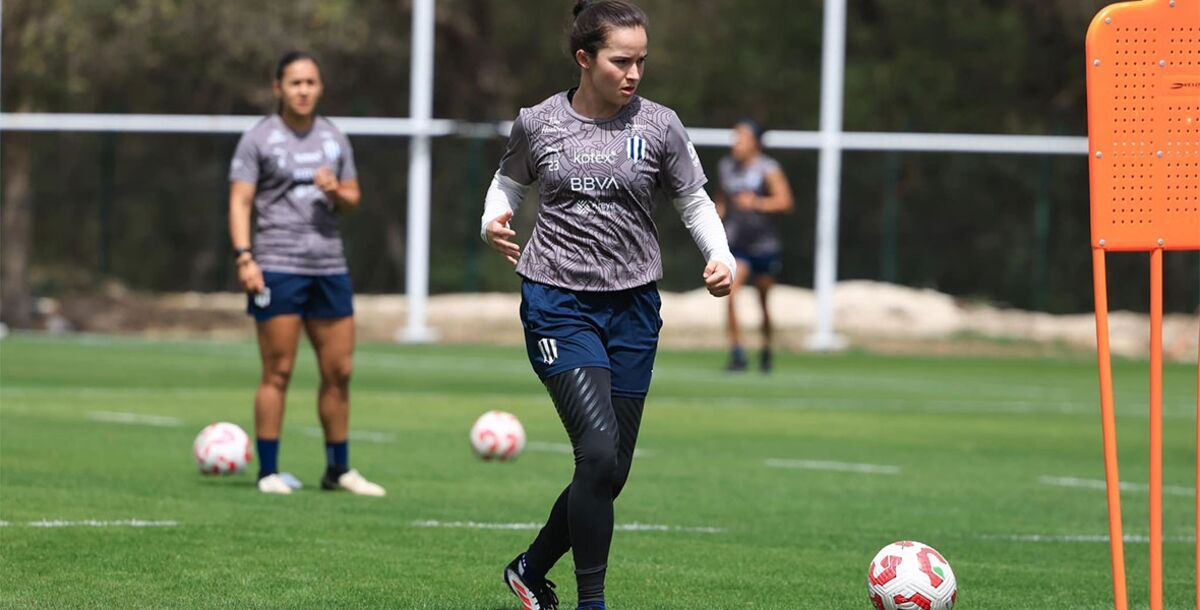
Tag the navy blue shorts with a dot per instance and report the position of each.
(618, 331)
(308, 296)
(760, 264)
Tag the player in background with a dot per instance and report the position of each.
(590, 303)
(754, 191)
(295, 171)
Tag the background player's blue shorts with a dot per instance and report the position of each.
(567, 329)
(308, 296)
(760, 264)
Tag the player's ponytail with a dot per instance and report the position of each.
(593, 19)
(581, 6)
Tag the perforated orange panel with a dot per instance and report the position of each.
(1144, 125)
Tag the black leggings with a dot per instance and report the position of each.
(603, 429)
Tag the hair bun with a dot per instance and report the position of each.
(581, 5)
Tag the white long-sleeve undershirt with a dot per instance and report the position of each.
(699, 215)
(504, 195)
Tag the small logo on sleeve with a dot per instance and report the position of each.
(333, 151)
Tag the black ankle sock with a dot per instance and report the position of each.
(591, 586)
(332, 472)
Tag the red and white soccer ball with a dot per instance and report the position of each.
(498, 435)
(222, 448)
(909, 575)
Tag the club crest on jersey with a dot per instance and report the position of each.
(635, 148)
(333, 152)
(549, 349)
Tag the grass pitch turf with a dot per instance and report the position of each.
(988, 460)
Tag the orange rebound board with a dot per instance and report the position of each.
(1143, 88)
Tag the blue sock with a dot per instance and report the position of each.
(268, 456)
(337, 457)
(593, 606)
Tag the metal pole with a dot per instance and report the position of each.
(473, 174)
(1042, 218)
(890, 250)
(421, 111)
(833, 65)
(108, 179)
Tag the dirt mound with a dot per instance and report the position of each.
(871, 315)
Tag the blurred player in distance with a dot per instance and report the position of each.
(590, 302)
(294, 172)
(752, 193)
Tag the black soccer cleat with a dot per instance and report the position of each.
(737, 361)
(533, 595)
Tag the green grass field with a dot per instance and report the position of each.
(983, 452)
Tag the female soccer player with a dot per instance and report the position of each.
(590, 305)
(296, 171)
(753, 191)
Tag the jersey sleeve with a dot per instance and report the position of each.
(346, 167)
(244, 166)
(770, 165)
(517, 162)
(681, 170)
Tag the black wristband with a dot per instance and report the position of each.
(238, 252)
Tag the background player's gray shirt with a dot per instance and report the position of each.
(597, 180)
(295, 225)
(749, 231)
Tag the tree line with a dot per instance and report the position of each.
(148, 210)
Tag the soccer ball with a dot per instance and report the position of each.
(909, 575)
(497, 435)
(222, 448)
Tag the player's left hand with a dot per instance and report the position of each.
(717, 279)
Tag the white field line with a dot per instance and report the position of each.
(650, 527)
(440, 363)
(55, 523)
(1082, 538)
(136, 419)
(565, 448)
(1098, 484)
(475, 525)
(1038, 397)
(834, 466)
(863, 404)
(620, 527)
(134, 392)
(1028, 399)
(365, 436)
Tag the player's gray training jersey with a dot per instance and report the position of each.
(597, 180)
(295, 226)
(749, 231)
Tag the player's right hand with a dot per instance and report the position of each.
(498, 233)
(718, 279)
(250, 276)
